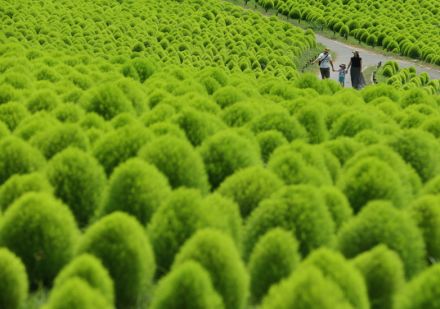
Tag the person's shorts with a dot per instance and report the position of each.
(342, 79)
(325, 73)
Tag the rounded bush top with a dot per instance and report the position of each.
(75, 293)
(217, 253)
(122, 245)
(187, 286)
(90, 269)
(42, 232)
(380, 223)
(14, 281)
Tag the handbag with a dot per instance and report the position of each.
(319, 62)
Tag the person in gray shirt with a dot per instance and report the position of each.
(325, 61)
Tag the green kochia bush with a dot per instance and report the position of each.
(274, 257)
(118, 146)
(76, 294)
(79, 181)
(419, 149)
(299, 209)
(18, 157)
(304, 289)
(421, 292)
(335, 267)
(188, 286)
(337, 204)
(426, 213)
(248, 187)
(42, 232)
(269, 141)
(380, 223)
(42, 100)
(107, 100)
(226, 152)
(179, 216)
(14, 281)
(121, 244)
(137, 188)
(18, 185)
(178, 161)
(12, 114)
(58, 138)
(371, 179)
(384, 275)
(217, 253)
(90, 269)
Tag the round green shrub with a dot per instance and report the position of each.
(306, 288)
(179, 216)
(240, 114)
(178, 161)
(106, 100)
(227, 96)
(419, 149)
(42, 232)
(371, 179)
(351, 123)
(343, 148)
(90, 269)
(426, 213)
(217, 253)
(122, 245)
(249, 186)
(335, 267)
(226, 152)
(188, 286)
(269, 141)
(35, 124)
(383, 273)
(139, 69)
(4, 130)
(338, 205)
(79, 181)
(14, 281)
(42, 100)
(300, 163)
(273, 258)
(137, 188)
(421, 292)
(312, 118)
(380, 223)
(299, 209)
(12, 114)
(18, 185)
(56, 139)
(119, 145)
(225, 215)
(76, 294)
(18, 157)
(279, 121)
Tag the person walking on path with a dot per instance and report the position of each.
(355, 66)
(341, 76)
(325, 61)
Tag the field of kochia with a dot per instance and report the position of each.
(167, 154)
(405, 27)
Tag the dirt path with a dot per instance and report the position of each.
(369, 58)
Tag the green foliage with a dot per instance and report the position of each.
(14, 281)
(76, 294)
(90, 269)
(178, 161)
(218, 255)
(137, 188)
(306, 288)
(337, 204)
(298, 209)
(12, 114)
(249, 186)
(380, 223)
(335, 267)
(269, 141)
(226, 152)
(42, 232)
(384, 275)
(421, 292)
(79, 181)
(273, 258)
(18, 157)
(187, 286)
(121, 244)
(18, 185)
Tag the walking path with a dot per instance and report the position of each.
(369, 58)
